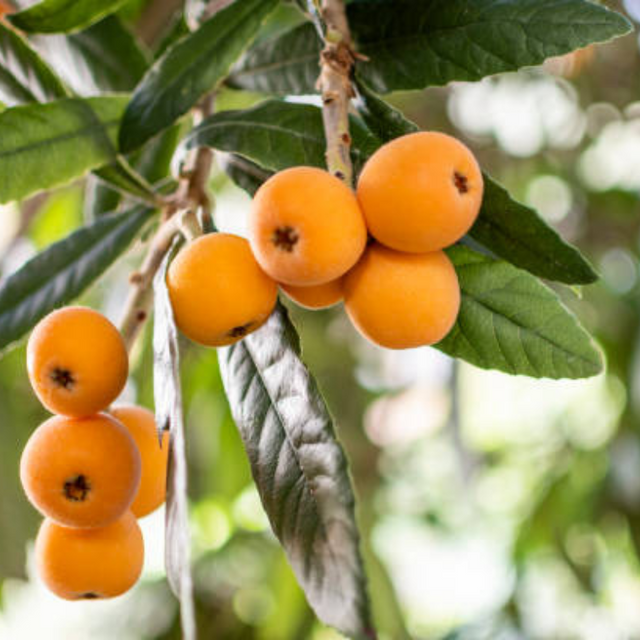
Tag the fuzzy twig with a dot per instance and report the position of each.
(337, 59)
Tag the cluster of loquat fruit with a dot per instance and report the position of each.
(309, 235)
(91, 470)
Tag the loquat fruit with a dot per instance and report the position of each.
(306, 227)
(81, 472)
(77, 361)
(420, 192)
(218, 292)
(141, 424)
(320, 296)
(87, 564)
(401, 300)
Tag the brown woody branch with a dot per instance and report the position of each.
(337, 60)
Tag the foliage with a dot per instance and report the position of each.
(66, 122)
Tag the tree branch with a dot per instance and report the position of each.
(337, 59)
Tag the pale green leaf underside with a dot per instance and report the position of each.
(300, 470)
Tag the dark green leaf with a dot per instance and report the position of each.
(99, 199)
(24, 77)
(54, 16)
(507, 228)
(246, 174)
(300, 470)
(277, 135)
(46, 145)
(126, 179)
(169, 417)
(285, 65)
(106, 57)
(190, 69)
(60, 273)
(518, 234)
(412, 44)
(512, 322)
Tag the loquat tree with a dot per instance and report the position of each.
(351, 202)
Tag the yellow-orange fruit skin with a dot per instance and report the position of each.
(141, 424)
(218, 291)
(420, 192)
(401, 300)
(81, 472)
(306, 227)
(86, 564)
(77, 361)
(320, 296)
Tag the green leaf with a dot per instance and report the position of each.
(107, 57)
(512, 322)
(170, 417)
(60, 273)
(507, 228)
(190, 69)
(285, 65)
(121, 175)
(412, 44)
(277, 135)
(244, 173)
(518, 234)
(46, 145)
(300, 470)
(24, 77)
(54, 16)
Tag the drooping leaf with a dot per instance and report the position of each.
(277, 135)
(169, 417)
(106, 57)
(24, 77)
(412, 44)
(512, 322)
(54, 16)
(60, 273)
(46, 145)
(300, 470)
(190, 69)
(507, 228)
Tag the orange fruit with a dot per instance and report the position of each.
(141, 424)
(218, 292)
(306, 227)
(420, 192)
(77, 361)
(81, 472)
(86, 564)
(401, 300)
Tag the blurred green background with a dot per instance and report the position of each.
(491, 507)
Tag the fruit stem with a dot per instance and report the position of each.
(336, 61)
